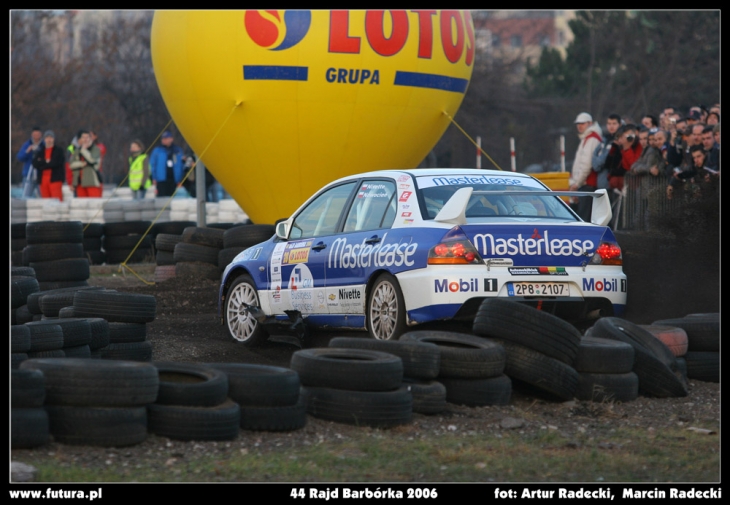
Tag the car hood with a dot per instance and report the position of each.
(537, 244)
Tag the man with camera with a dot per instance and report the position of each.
(84, 164)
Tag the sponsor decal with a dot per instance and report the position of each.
(276, 295)
(490, 285)
(300, 288)
(605, 285)
(364, 255)
(535, 245)
(473, 179)
(407, 221)
(404, 186)
(537, 271)
(460, 286)
(406, 214)
(332, 297)
(348, 294)
(405, 196)
(256, 253)
(499, 262)
(403, 178)
(297, 252)
(405, 206)
(320, 298)
(369, 190)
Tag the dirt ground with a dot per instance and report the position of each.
(666, 278)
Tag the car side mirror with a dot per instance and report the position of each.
(282, 229)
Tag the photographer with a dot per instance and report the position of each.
(628, 140)
(84, 164)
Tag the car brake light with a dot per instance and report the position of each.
(607, 253)
(458, 252)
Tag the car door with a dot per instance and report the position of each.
(297, 265)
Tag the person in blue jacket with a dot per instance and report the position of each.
(167, 165)
(25, 156)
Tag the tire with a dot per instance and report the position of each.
(171, 227)
(221, 422)
(478, 392)
(79, 351)
(34, 299)
(167, 242)
(527, 326)
(19, 338)
(421, 360)
(386, 309)
(51, 285)
(197, 270)
(604, 356)
(115, 307)
(51, 232)
(429, 396)
(122, 333)
(76, 331)
(28, 428)
(92, 244)
(131, 351)
(703, 331)
(547, 374)
(93, 230)
(17, 230)
(99, 332)
(101, 383)
(51, 353)
(98, 426)
(282, 418)
(52, 303)
(16, 358)
(671, 336)
(378, 409)
(165, 258)
(252, 385)
(703, 366)
(22, 272)
(190, 384)
(241, 325)
(463, 356)
(139, 227)
(602, 387)
(20, 288)
(21, 315)
(52, 252)
(657, 379)
(210, 237)
(66, 312)
(194, 252)
(27, 389)
(64, 270)
(247, 235)
(615, 328)
(45, 336)
(351, 369)
(227, 255)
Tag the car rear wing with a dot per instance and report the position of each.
(454, 210)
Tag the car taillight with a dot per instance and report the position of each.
(458, 252)
(607, 253)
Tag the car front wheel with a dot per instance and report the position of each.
(386, 310)
(240, 322)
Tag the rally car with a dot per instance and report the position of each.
(385, 250)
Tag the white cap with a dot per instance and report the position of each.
(584, 117)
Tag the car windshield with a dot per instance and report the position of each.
(496, 200)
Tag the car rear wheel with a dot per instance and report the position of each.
(386, 310)
(240, 323)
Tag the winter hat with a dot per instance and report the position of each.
(49, 133)
(584, 117)
(166, 134)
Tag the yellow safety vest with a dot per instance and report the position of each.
(136, 173)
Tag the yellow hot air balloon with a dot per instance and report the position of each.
(280, 102)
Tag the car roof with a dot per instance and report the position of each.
(419, 172)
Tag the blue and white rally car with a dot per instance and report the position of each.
(385, 250)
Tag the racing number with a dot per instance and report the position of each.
(490, 285)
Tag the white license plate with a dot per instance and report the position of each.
(538, 289)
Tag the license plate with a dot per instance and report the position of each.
(538, 289)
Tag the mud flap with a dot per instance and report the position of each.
(294, 331)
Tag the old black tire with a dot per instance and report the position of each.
(703, 331)
(27, 388)
(421, 360)
(102, 383)
(351, 369)
(167, 242)
(385, 313)
(98, 426)
(185, 252)
(52, 252)
(28, 428)
(602, 355)
(463, 356)
(21, 287)
(247, 235)
(210, 237)
(47, 232)
(429, 396)
(19, 338)
(625, 331)
(478, 392)
(45, 336)
(252, 385)
(240, 323)
(220, 422)
(527, 326)
(703, 366)
(378, 409)
(132, 351)
(282, 418)
(607, 387)
(123, 333)
(63, 270)
(115, 307)
(190, 384)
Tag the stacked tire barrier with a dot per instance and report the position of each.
(703, 344)
(55, 250)
(239, 238)
(269, 397)
(470, 368)
(22, 284)
(541, 348)
(192, 404)
(197, 253)
(28, 419)
(354, 386)
(95, 402)
(93, 233)
(128, 241)
(605, 371)
(421, 364)
(17, 243)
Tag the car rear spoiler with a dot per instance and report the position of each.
(454, 211)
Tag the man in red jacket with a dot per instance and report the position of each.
(628, 139)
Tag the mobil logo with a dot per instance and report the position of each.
(460, 286)
(604, 284)
(277, 30)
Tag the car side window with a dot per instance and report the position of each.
(373, 207)
(320, 217)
